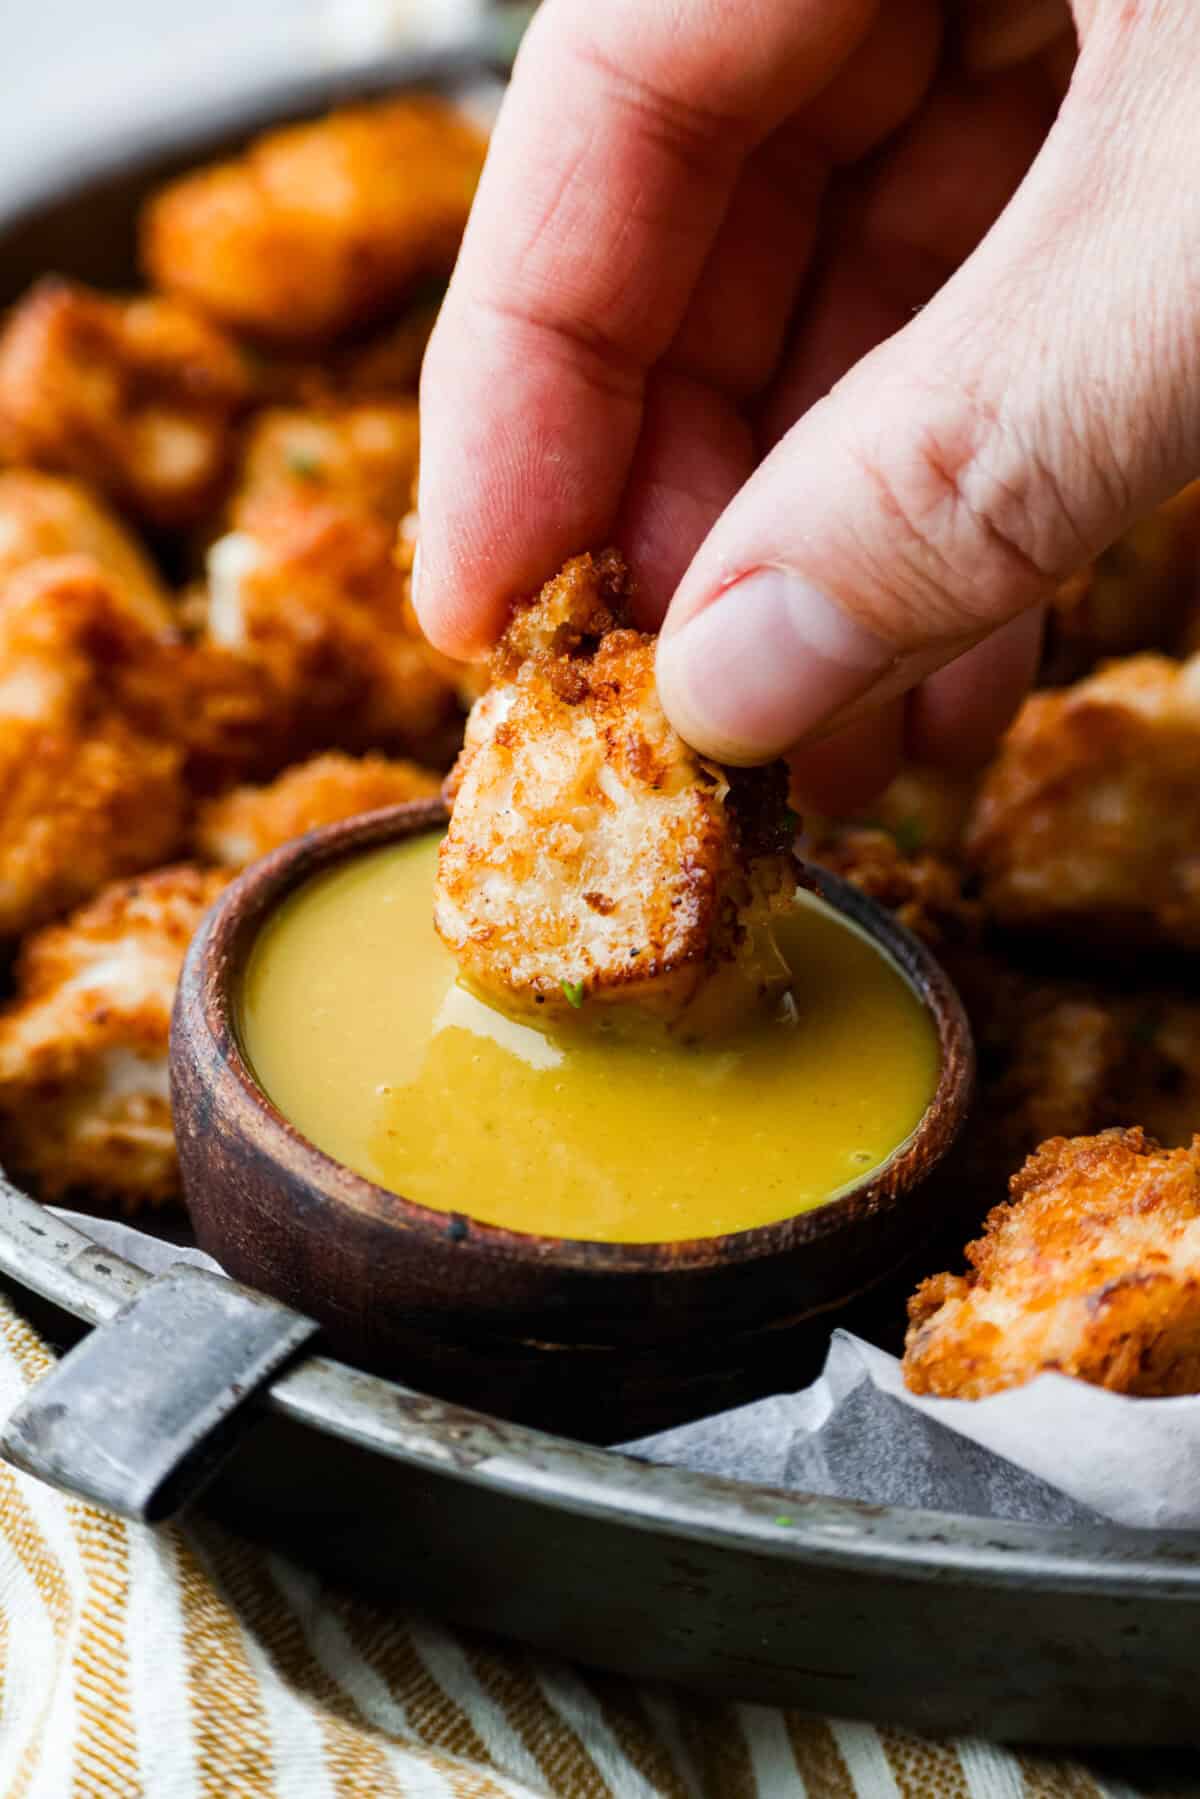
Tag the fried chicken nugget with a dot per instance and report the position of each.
(84, 1101)
(1136, 596)
(591, 854)
(389, 361)
(1091, 1270)
(319, 228)
(313, 600)
(362, 455)
(308, 587)
(90, 786)
(228, 718)
(44, 516)
(925, 809)
(1061, 1057)
(1088, 821)
(238, 827)
(925, 892)
(138, 396)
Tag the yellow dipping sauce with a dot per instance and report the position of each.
(357, 1028)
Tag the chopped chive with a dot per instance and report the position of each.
(909, 834)
(574, 993)
(303, 463)
(784, 1519)
(1144, 1028)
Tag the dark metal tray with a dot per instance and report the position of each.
(939, 1622)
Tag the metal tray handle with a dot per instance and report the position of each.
(138, 1417)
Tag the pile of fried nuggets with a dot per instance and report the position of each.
(249, 424)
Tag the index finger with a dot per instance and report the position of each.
(612, 164)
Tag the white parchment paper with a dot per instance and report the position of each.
(1054, 1452)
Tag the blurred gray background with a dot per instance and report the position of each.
(75, 68)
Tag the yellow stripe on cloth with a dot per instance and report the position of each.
(106, 1747)
(185, 1664)
(819, 1759)
(919, 1767)
(232, 1737)
(356, 1764)
(565, 1764)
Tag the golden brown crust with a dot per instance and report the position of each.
(388, 362)
(924, 891)
(137, 396)
(924, 809)
(1092, 1270)
(361, 455)
(592, 854)
(45, 515)
(240, 826)
(319, 228)
(1136, 596)
(90, 788)
(1066, 1056)
(313, 600)
(307, 590)
(83, 1044)
(1089, 819)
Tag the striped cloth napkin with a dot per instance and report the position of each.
(182, 1663)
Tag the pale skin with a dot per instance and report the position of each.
(857, 324)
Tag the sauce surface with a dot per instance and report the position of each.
(355, 1025)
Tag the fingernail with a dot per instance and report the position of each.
(763, 666)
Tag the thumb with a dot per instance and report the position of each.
(1046, 397)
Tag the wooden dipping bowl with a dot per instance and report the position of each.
(605, 1341)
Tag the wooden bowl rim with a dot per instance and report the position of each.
(217, 959)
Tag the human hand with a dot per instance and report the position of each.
(853, 357)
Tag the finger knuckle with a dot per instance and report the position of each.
(978, 518)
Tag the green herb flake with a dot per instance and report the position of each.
(784, 1519)
(574, 993)
(909, 834)
(1145, 1027)
(253, 360)
(303, 463)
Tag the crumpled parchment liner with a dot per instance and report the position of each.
(1053, 1452)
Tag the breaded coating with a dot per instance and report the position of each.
(1051, 1052)
(591, 854)
(45, 515)
(229, 719)
(388, 362)
(1136, 596)
(238, 827)
(1063, 1056)
(362, 456)
(307, 588)
(84, 1103)
(90, 786)
(925, 892)
(1088, 821)
(313, 601)
(137, 396)
(379, 365)
(319, 228)
(924, 809)
(1091, 1270)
